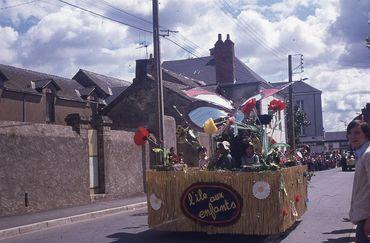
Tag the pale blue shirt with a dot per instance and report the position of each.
(361, 150)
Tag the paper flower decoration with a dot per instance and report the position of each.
(155, 202)
(209, 126)
(276, 105)
(248, 106)
(261, 189)
(272, 141)
(294, 210)
(285, 212)
(141, 136)
(230, 121)
(297, 198)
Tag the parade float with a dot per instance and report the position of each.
(262, 199)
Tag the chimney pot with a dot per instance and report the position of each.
(224, 55)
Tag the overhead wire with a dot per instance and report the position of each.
(228, 10)
(124, 23)
(106, 17)
(241, 23)
(189, 49)
(188, 43)
(18, 5)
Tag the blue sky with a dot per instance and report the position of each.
(51, 37)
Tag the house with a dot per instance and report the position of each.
(336, 141)
(30, 96)
(222, 72)
(308, 99)
(106, 88)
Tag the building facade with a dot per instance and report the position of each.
(30, 96)
(308, 99)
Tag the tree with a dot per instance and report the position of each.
(300, 121)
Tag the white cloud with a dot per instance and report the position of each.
(8, 38)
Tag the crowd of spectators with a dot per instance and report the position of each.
(323, 161)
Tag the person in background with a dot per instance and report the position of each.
(172, 156)
(180, 158)
(358, 134)
(203, 158)
(223, 159)
(249, 157)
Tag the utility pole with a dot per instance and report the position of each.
(158, 78)
(291, 136)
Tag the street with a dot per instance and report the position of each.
(325, 221)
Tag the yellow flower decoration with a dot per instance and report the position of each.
(209, 126)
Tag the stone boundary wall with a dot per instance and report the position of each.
(123, 165)
(42, 167)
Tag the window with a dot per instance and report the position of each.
(300, 104)
(50, 107)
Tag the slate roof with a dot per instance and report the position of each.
(39, 85)
(105, 83)
(19, 79)
(116, 91)
(335, 136)
(173, 87)
(203, 68)
(170, 76)
(298, 87)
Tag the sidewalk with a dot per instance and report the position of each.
(20, 224)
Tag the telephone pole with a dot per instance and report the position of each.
(158, 78)
(291, 136)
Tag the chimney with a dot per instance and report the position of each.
(143, 67)
(224, 55)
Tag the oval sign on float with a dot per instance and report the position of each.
(212, 203)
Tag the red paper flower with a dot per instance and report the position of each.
(248, 106)
(230, 121)
(297, 198)
(285, 212)
(276, 105)
(141, 136)
(283, 160)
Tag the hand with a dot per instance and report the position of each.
(367, 228)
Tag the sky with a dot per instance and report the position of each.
(53, 37)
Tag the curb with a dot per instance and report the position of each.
(18, 230)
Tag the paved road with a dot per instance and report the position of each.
(325, 221)
(329, 194)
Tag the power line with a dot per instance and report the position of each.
(174, 42)
(186, 48)
(124, 11)
(17, 5)
(106, 17)
(246, 29)
(120, 22)
(192, 45)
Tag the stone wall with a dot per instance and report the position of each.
(45, 166)
(123, 161)
(42, 167)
